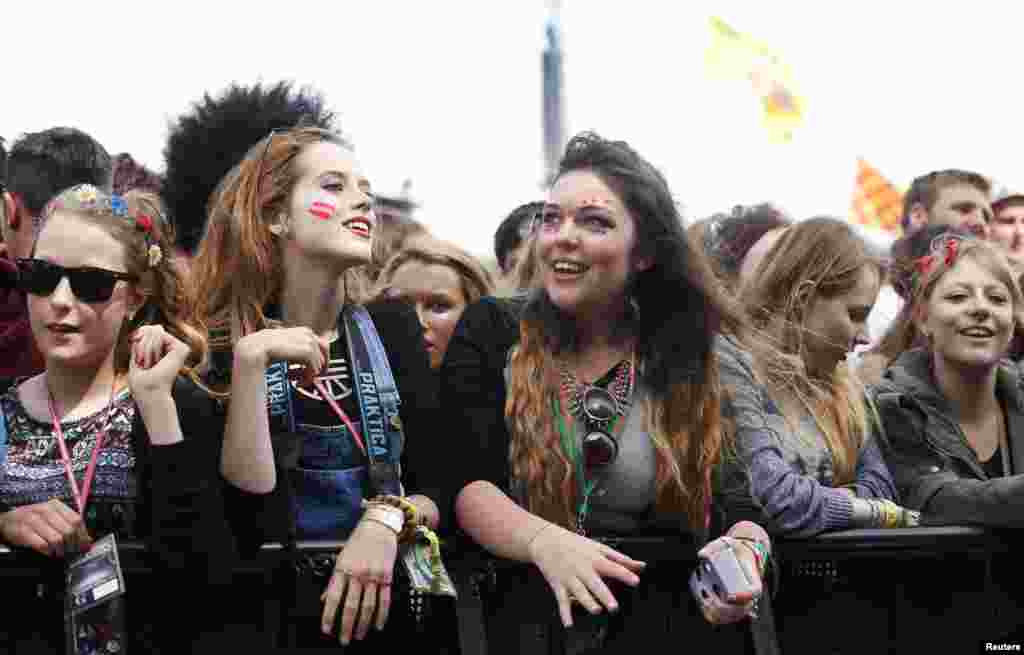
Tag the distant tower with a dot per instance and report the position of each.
(553, 103)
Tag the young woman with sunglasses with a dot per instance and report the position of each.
(286, 226)
(591, 409)
(808, 459)
(111, 437)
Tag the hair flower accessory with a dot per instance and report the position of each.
(118, 207)
(156, 255)
(951, 249)
(87, 194)
(923, 264)
(144, 222)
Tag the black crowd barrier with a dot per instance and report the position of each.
(942, 590)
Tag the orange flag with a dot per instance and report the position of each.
(877, 203)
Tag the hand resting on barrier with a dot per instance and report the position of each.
(362, 577)
(574, 566)
(51, 528)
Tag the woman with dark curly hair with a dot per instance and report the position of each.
(736, 242)
(592, 408)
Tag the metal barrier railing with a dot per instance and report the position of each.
(880, 568)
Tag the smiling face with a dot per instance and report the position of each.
(835, 326)
(969, 316)
(329, 209)
(585, 246)
(67, 331)
(436, 293)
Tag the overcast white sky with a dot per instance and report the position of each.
(449, 93)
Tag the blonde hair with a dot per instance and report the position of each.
(820, 257)
(475, 281)
(983, 253)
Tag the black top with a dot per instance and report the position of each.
(934, 466)
(473, 397)
(260, 518)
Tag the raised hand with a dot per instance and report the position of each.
(298, 345)
(362, 577)
(575, 566)
(51, 528)
(156, 358)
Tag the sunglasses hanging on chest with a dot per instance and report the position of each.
(601, 410)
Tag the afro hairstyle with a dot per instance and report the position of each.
(204, 144)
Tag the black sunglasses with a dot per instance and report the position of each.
(600, 449)
(89, 284)
(600, 408)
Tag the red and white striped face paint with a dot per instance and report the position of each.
(321, 205)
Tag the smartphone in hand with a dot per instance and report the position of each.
(719, 577)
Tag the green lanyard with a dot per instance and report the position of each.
(571, 447)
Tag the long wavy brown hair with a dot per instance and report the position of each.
(237, 269)
(818, 258)
(680, 311)
(163, 286)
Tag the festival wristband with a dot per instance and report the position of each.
(388, 517)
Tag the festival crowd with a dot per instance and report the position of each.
(253, 348)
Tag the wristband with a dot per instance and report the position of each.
(393, 520)
(409, 510)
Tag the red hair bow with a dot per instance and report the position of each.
(144, 223)
(951, 248)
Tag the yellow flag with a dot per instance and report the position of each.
(733, 55)
(877, 202)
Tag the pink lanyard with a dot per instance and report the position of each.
(322, 388)
(81, 497)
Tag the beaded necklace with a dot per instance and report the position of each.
(573, 403)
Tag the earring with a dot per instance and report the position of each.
(280, 228)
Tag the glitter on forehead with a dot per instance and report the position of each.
(591, 201)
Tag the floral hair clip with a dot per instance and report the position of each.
(951, 249)
(154, 254)
(921, 267)
(86, 197)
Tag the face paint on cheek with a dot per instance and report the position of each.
(321, 205)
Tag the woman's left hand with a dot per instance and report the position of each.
(740, 605)
(155, 360)
(362, 577)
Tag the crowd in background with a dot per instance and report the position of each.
(211, 358)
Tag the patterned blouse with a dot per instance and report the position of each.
(34, 472)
